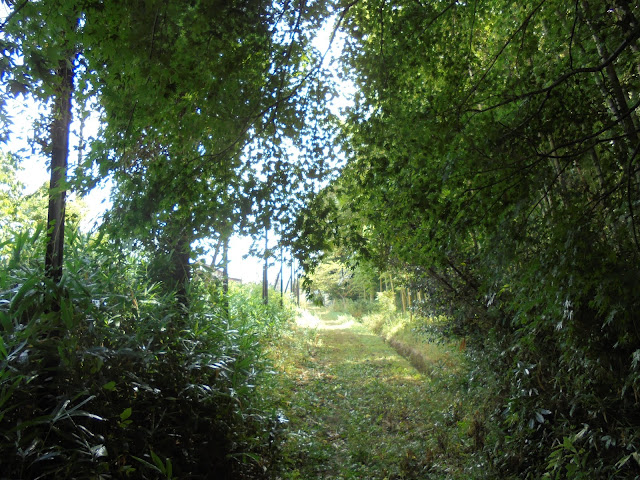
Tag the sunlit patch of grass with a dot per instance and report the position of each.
(359, 410)
(430, 358)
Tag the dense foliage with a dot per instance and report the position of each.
(492, 166)
(199, 106)
(109, 386)
(493, 160)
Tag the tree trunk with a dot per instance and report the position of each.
(616, 97)
(281, 278)
(60, 127)
(291, 278)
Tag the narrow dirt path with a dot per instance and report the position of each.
(357, 410)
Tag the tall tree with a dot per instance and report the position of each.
(183, 90)
(194, 154)
(60, 128)
(40, 48)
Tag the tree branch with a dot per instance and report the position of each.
(13, 14)
(563, 78)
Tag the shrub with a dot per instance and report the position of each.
(120, 381)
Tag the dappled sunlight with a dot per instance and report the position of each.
(308, 320)
(341, 342)
(388, 367)
(355, 405)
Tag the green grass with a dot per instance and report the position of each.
(359, 410)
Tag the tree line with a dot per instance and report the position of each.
(493, 163)
(197, 103)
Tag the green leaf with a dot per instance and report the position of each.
(169, 471)
(5, 322)
(66, 312)
(567, 443)
(158, 461)
(126, 413)
(623, 461)
(17, 88)
(110, 386)
(144, 462)
(6, 393)
(22, 292)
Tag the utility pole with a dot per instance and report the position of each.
(281, 279)
(225, 274)
(265, 284)
(295, 279)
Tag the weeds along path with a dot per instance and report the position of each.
(356, 408)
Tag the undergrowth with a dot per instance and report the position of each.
(359, 410)
(122, 382)
(523, 422)
(463, 383)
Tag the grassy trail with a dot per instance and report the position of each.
(357, 409)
